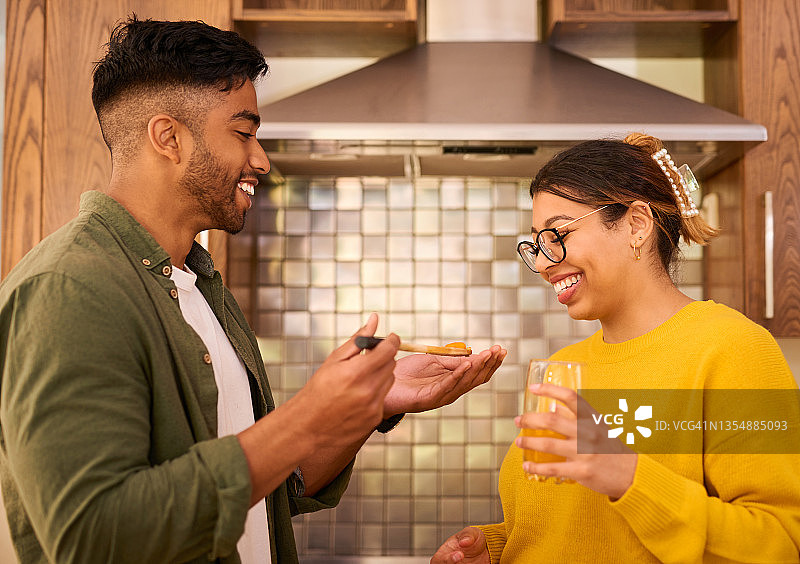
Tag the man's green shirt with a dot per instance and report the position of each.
(108, 406)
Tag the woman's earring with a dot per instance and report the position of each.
(637, 252)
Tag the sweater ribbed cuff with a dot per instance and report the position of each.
(657, 497)
(495, 536)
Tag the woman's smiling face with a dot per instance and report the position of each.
(591, 279)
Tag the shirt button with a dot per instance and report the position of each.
(174, 293)
(207, 358)
(166, 271)
(146, 262)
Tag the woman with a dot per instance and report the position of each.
(607, 218)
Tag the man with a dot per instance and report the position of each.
(137, 421)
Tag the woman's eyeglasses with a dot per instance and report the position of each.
(550, 242)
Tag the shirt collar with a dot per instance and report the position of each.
(199, 260)
(137, 238)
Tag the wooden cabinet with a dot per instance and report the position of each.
(53, 150)
(738, 269)
(751, 69)
(638, 28)
(324, 28)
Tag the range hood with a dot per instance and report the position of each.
(485, 109)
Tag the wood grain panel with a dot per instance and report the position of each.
(76, 157)
(23, 130)
(723, 264)
(770, 43)
(53, 147)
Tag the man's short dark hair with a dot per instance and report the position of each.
(164, 61)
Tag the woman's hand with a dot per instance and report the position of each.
(424, 381)
(467, 546)
(604, 465)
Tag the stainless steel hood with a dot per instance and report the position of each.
(486, 109)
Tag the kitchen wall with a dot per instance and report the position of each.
(436, 258)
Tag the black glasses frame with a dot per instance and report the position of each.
(528, 250)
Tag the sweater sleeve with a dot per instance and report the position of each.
(678, 521)
(495, 540)
(748, 507)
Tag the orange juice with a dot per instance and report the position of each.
(565, 374)
(535, 455)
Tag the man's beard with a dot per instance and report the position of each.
(213, 189)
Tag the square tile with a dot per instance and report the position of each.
(348, 194)
(348, 299)
(426, 510)
(374, 222)
(270, 247)
(424, 483)
(426, 221)
(348, 247)
(322, 247)
(295, 273)
(323, 221)
(297, 247)
(399, 483)
(506, 326)
(400, 194)
(401, 221)
(480, 247)
(323, 273)
(321, 197)
(297, 222)
(426, 194)
(426, 248)
(401, 247)
(401, 273)
(426, 273)
(506, 273)
(374, 247)
(398, 539)
(296, 298)
(479, 222)
(454, 299)
(453, 221)
(348, 222)
(505, 222)
(452, 193)
(505, 195)
(479, 299)
(479, 196)
(426, 456)
(348, 273)
(373, 273)
(427, 298)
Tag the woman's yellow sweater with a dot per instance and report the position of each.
(681, 508)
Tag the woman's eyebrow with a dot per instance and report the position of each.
(555, 218)
(550, 222)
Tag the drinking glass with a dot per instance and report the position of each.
(559, 373)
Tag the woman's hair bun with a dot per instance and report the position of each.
(647, 142)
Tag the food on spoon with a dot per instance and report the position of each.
(457, 345)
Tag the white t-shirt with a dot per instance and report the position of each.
(234, 404)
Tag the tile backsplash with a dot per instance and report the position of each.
(436, 258)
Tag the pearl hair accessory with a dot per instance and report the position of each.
(687, 181)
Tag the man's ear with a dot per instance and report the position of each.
(640, 222)
(168, 137)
